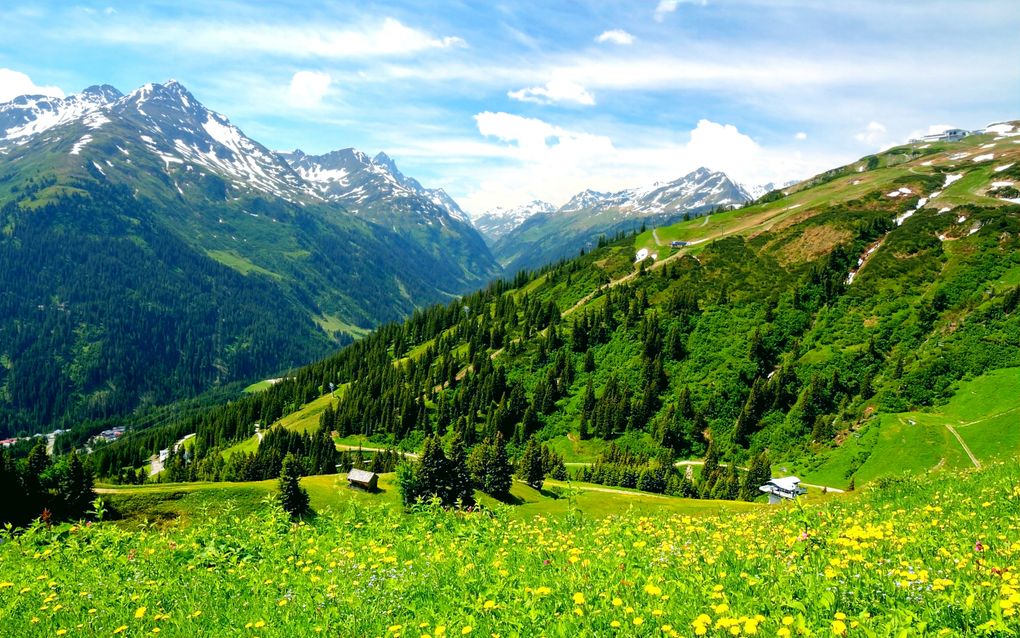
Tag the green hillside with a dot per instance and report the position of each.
(815, 324)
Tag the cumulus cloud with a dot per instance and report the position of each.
(555, 91)
(14, 83)
(669, 6)
(538, 140)
(307, 88)
(615, 36)
(872, 135)
(800, 136)
(544, 161)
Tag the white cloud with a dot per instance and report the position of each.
(554, 91)
(388, 38)
(932, 130)
(539, 141)
(543, 161)
(872, 135)
(615, 36)
(307, 88)
(800, 136)
(14, 83)
(669, 6)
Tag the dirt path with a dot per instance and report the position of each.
(354, 448)
(973, 459)
(607, 490)
(655, 236)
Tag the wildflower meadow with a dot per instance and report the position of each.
(933, 556)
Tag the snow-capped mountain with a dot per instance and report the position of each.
(317, 228)
(27, 115)
(499, 221)
(757, 190)
(577, 224)
(358, 182)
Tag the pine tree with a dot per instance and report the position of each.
(433, 471)
(758, 474)
(461, 490)
(498, 471)
(293, 497)
(75, 487)
(530, 467)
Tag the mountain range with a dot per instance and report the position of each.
(539, 239)
(155, 234)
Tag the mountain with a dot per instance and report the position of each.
(843, 327)
(578, 224)
(495, 223)
(375, 190)
(758, 190)
(155, 251)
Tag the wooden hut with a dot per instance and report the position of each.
(363, 480)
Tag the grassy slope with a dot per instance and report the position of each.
(189, 502)
(928, 557)
(985, 411)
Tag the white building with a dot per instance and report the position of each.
(783, 488)
(948, 135)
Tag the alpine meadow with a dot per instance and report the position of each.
(688, 323)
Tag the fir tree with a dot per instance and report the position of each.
(461, 490)
(530, 467)
(75, 487)
(292, 497)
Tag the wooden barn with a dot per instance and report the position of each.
(363, 480)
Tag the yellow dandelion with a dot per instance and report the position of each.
(578, 598)
(120, 629)
(260, 624)
(140, 612)
(639, 620)
(653, 590)
(466, 630)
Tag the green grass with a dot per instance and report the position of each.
(922, 557)
(259, 386)
(241, 264)
(332, 323)
(188, 503)
(984, 410)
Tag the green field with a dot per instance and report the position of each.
(985, 411)
(929, 556)
(188, 502)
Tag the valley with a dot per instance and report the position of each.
(610, 319)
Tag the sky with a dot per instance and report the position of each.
(503, 102)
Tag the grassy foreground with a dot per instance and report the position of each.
(913, 557)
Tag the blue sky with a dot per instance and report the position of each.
(503, 102)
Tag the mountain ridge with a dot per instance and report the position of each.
(577, 225)
(185, 175)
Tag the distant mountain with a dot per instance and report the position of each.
(543, 239)
(173, 253)
(495, 223)
(374, 189)
(757, 190)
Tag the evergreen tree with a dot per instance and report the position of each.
(530, 467)
(758, 474)
(498, 471)
(461, 489)
(75, 487)
(433, 471)
(292, 496)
